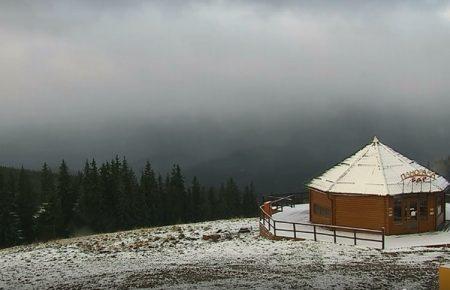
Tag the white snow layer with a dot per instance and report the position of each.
(300, 214)
(376, 169)
(177, 257)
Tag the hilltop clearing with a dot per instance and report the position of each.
(179, 257)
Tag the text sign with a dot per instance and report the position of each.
(419, 175)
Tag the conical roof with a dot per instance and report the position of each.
(378, 169)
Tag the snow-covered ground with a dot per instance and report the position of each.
(300, 214)
(178, 257)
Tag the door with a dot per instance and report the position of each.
(411, 214)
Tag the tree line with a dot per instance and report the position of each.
(109, 197)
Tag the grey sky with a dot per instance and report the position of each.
(76, 66)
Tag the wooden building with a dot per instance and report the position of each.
(378, 188)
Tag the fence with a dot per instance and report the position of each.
(296, 197)
(318, 232)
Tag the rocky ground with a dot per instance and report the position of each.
(179, 257)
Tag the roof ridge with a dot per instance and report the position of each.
(350, 166)
(380, 162)
(398, 155)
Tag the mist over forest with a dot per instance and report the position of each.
(278, 155)
(263, 92)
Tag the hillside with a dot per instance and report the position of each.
(178, 257)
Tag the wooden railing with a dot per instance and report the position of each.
(294, 230)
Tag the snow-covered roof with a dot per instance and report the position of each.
(378, 169)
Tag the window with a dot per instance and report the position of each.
(439, 204)
(423, 208)
(322, 211)
(398, 210)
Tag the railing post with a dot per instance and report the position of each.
(295, 233)
(382, 243)
(269, 223)
(334, 235)
(274, 228)
(354, 237)
(315, 233)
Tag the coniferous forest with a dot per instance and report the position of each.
(45, 205)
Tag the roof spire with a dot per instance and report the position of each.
(375, 139)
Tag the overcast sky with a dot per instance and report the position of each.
(71, 66)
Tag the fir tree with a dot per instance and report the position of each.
(48, 220)
(26, 205)
(222, 210)
(232, 198)
(136, 206)
(196, 200)
(90, 198)
(249, 202)
(124, 218)
(47, 183)
(177, 195)
(149, 189)
(66, 195)
(164, 203)
(10, 233)
(108, 192)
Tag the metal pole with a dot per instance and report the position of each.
(334, 233)
(315, 235)
(274, 229)
(382, 244)
(295, 233)
(354, 236)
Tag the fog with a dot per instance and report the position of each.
(268, 92)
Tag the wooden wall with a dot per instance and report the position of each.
(373, 212)
(350, 211)
(321, 199)
(366, 212)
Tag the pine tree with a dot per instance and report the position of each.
(177, 195)
(48, 220)
(90, 199)
(136, 206)
(196, 200)
(108, 192)
(149, 189)
(222, 208)
(76, 189)
(122, 198)
(26, 205)
(211, 207)
(10, 233)
(232, 198)
(66, 195)
(249, 202)
(47, 183)
(164, 202)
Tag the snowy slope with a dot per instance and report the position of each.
(177, 257)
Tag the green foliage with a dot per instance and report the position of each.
(48, 221)
(109, 198)
(26, 204)
(10, 233)
(67, 196)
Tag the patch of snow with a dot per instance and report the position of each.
(377, 169)
(177, 257)
(300, 214)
